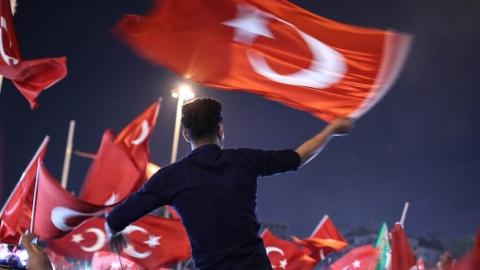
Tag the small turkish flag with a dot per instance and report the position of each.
(32, 76)
(57, 211)
(16, 214)
(402, 253)
(286, 255)
(360, 258)
(152, 241)
(136, 136)
(112, 176)
(325, 239)
(271, 48)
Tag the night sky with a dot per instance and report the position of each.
(419, 144)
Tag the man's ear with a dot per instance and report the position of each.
(186, 135)
(220, 132)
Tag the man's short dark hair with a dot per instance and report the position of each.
(201, 117)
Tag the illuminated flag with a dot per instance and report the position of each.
(31, 77)
(271, 48)
(16, 213)
(325, 239)
(153, 241)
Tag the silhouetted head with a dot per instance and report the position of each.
(202, 121)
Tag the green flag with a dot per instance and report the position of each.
(383, 244)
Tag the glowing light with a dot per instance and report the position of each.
(184, 91)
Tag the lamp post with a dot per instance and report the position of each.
(183, 93)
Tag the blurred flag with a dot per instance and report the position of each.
(16, 213)
(271, 48)
(112, 176)
(383, 245)
(325, 239)
(57, 212)
(121, 164)
(360, 258)
(153, 241)
(31, 77)
(403, 257)
(286, 255)
(472, 260)
(59, 262)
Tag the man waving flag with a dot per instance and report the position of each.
(271, 48)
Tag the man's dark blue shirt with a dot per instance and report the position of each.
(214, 191)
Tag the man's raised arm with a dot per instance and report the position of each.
(310, 149)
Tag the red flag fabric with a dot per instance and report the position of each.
(272, 48)
(136, 136)
(16, 213)
(403, 257)
(31, 77)
(112, 176)
(57, 211)
(286, 255)
(108, 261)
(472, 260)
(59, 262)
(153, 241)
(360, 258)
(325, 239)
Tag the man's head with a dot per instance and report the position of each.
(202, 121)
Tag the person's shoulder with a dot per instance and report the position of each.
(171, 169)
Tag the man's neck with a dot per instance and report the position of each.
(201, 143)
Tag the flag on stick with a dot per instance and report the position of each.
(383, 245)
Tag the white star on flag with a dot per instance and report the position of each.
(249, 23)
(153, 241)
(77, 238)
(283, 264)
(356, 264)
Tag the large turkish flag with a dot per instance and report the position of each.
(153, 241)
(31, 77)
(16, 213)
(271, 48)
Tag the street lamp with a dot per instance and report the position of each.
(183, 92)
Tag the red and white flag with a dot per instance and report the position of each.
(271, 48)
(31, 77)
(57, 212)
(286, 255)
(403, 257)
(360, 258)
(103, 260)
(121, 164)
(16, 213)
(112, 176)
(153, 241)
(325, 239)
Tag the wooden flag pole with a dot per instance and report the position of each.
(404, 214)
(68, 154)
(34, 205)
(32, 163)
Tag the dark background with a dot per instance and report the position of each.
(419, 144)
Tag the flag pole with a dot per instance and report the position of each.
(34, 206)
(68, 154)
(404, 214)
(30, 164)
